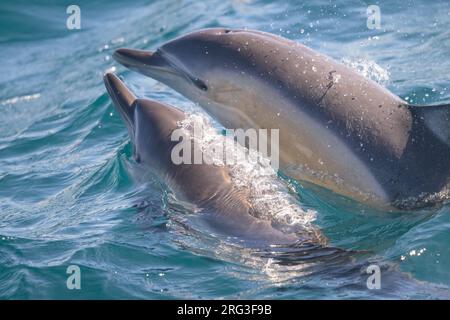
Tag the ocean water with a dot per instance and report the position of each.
(71, 194)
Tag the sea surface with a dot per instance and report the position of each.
(72, 195)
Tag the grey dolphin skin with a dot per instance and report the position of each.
(209, 187)
(338, 129)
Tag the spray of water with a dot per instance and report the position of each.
(369, 69)
(268, 195)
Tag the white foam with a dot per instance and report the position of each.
(369, 69)
(17, 99)
(268, 195)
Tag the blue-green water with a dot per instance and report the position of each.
(68, 188)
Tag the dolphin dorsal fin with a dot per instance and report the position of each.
(436, 118)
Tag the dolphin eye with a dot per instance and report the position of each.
(200, 84)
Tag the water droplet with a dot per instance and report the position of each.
(112, 69)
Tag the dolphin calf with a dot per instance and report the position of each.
(337, 129)
(225, 207)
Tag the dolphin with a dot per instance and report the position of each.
(227, 209)
(224, 207)
(337, 129)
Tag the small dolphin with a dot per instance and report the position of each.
(338, 129)
(225, 207)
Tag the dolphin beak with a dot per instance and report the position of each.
(133, 59)
(121, 96)
(155, 64)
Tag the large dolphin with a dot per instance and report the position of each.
(338, 129)
(224, 206)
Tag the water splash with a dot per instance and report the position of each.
(268, 195)
(17, 99)
(369, 69)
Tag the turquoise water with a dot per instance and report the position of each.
(70, 192)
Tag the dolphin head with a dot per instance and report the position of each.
(149, 123)
(195, 64)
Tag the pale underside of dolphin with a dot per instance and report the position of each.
(223, 206)
(338, 129)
